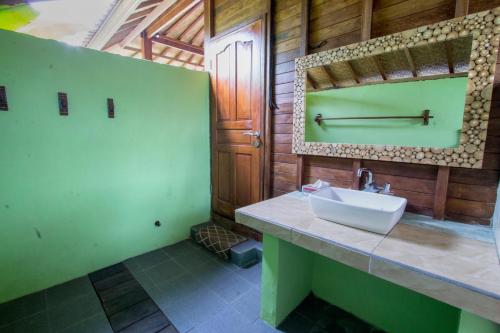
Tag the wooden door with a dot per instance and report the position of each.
(237, 73)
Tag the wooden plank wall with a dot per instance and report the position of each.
(470, 195)
(230, 13)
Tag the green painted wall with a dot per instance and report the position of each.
(283, 285)
(82, 192)
(291, 272)
(444, 97)
(470, 323)
(381, 303)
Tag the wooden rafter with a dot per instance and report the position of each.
(461, 7)
(380, 69)
(177, 44)
(173, 13)
(184, 33)
(311, 81)
(146, 47)
(115, 20)
(147, 21)
(449, 59)
(139, 14)
(410, 61)
(366, 19)
(158, 55)
(351, 70)
(180, 21)
(148, 4)
(329, 75)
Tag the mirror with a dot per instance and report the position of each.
(420, 96)
(411, 97)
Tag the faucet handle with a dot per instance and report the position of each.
(386, 189)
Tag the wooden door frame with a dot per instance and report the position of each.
(266, 117)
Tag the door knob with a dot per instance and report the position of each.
(255, 134)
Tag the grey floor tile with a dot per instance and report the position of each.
(249, 304)
(144, 281)
(95, 324)
(150, 259)
(74, 311)
(201, 306)
(132, 265)
(165, 271)
(36, 323)
(252, 274)
(226, 321)
(211, 272)
(176, 290)
(179, 318)
(260, 326)
(22, 307)
(230, 287)
(181, 249)
(195, 258)
(69, 291)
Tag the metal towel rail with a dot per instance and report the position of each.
(425, 117)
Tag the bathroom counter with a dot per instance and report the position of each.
(445, 264)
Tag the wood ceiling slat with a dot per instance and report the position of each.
(174, 12)
(188, 29)
(134, 49)
(149, 4)
(139, 14)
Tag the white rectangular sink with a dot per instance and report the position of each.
(364, 210)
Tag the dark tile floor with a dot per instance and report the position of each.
(198, 292)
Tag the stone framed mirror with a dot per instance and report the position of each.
(419, 96)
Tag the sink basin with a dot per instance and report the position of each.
(364, 210)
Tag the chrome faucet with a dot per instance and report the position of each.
(370, 185)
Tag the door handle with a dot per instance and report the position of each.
(257, 143)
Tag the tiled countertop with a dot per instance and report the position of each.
(441, 263)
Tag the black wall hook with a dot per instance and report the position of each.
(111, 108)
(63, 104)
(4, 106)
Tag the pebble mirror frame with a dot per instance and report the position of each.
(483, 27)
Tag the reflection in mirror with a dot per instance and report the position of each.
(410, 97)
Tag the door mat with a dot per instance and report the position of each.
(127, 305)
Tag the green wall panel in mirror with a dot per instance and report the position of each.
(444, 98)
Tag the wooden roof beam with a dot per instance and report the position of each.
(380, 69)
(115, 19)
(148, 20)
(410, 61)
(330, 76)
(353, 73)
(311, 81)
(173, 13)
(449, 59)
(177, 44)
(366, 19)
(461, 8)
(146, 47)
(188, 28)
(158, 55)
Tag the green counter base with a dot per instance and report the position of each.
(290, 273)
